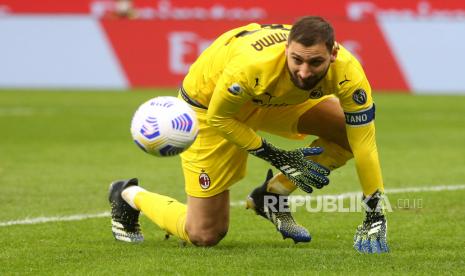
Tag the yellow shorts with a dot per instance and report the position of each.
(212, 164)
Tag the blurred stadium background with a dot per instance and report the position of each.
(73, 72)
(85, 44)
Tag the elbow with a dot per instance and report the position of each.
(212, 120)
(216, 121)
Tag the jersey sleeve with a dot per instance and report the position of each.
(230, 94)
(359, 110)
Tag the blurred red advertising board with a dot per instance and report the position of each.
(157, 47)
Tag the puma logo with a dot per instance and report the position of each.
(344, 81)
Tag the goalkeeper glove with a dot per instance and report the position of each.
(303, 172)
(370, 236)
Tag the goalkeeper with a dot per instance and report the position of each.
(286, 80)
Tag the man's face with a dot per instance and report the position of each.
(308, 65)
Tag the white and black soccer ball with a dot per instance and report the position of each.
(164, 126)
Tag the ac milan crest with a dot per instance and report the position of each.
(204, 180)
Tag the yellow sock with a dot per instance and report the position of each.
(333, 157)
(166, 212)
(279, 184)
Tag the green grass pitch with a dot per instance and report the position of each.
(59, 151)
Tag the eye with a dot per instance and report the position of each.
(316, 62)
(297, 60)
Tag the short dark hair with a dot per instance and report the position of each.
(311, 30)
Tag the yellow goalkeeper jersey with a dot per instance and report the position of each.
(247, 65)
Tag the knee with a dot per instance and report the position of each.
(206, 238)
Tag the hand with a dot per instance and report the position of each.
(303, 172)
(370, 237)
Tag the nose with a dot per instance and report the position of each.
(304, 72)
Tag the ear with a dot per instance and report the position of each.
(334, 52)
(287, 46)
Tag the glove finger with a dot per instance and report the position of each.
(358, 243)
(358, 239)
(365, 245)
(311, 151)
(301, 182)
(316, 179)
(357, 234)
(383, 245)
(375, 246)
(306, 188)
(318, 168)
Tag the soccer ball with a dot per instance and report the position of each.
(164, 126)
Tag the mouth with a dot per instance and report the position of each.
(305, 84)
(309, 81)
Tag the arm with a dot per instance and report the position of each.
(363, 143)
(227, 100)
(359, 110)
(370, 236)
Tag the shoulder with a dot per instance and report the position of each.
(256, 66)
(256, 74)
(350, 83)
(347, 67)
(259, 40)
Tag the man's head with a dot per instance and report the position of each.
(310, 50)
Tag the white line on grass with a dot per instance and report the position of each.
(233, 203)
(53, 219)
